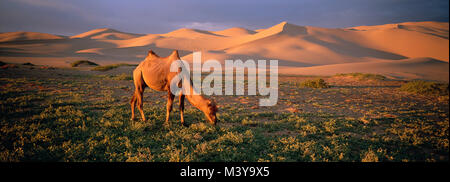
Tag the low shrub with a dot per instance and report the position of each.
(426, 88)
(83, 62)
(363, 76)
(315, 83)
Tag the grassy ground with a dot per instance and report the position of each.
(110, 67)
(82, 115)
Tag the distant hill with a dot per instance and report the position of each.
(106, 33)
(21, 36)
(415, 50)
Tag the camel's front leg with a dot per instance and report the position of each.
(182, 109)
(170, 98)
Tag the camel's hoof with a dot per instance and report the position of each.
(166, 125)
(132, 119)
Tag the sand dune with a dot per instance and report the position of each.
(235, 32)
(24, 36)
(403, 50)
(188, 33)
(423, 39)
(93, 51)
(106, 33)
(139, 41)
(414, 68)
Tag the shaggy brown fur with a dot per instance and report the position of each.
(154, 72)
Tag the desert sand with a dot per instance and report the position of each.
(410, 50)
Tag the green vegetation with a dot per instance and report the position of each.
(121, 76)
(362, 76)
(314, 83)
(71, 118)
(111, 66)
(83, 62)
(426, 88)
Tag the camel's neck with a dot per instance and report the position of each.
(196, 99)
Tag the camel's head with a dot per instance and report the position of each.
(211, 111)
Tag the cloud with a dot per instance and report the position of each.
(204, 25)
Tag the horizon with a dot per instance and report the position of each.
(155, 17)
(226, 28)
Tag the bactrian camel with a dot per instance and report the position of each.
(155, 73)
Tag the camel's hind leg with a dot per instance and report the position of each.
(137, 98)
(138, 94)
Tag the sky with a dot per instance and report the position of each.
(71, 17)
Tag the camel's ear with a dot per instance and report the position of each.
(174, 54)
